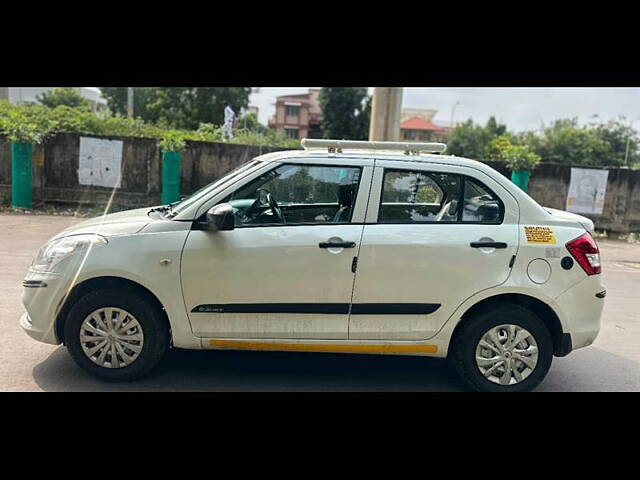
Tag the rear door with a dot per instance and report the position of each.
(434, 235)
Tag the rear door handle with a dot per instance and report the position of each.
(337, 244)
(488, 245)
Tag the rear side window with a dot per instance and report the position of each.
(481, 205)
(416, 197)
(431, 197)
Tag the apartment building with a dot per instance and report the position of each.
(298, 116)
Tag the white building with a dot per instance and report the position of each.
(22, 95)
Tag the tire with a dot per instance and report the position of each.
(466, 343)
(154, 334)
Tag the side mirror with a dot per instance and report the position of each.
(221, 217)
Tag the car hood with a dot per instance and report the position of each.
(584, 221)
(120, 223)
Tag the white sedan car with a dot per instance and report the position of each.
(355, 247)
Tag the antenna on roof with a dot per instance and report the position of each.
(409, 148)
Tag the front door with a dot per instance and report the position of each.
(285, 271)
(434, 236)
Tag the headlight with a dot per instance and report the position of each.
(57, 250)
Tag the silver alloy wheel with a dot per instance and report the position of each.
(111, 337)
(507, 354)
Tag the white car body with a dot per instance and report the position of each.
(402, 270)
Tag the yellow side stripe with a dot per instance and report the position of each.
(323, 347)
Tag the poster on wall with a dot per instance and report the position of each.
(100, 162)
(587, 190)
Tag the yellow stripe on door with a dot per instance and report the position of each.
(323, 347)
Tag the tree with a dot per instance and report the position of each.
(469, 140)
(142, 96)
(188, 107)
(63, 96)
(346, 112)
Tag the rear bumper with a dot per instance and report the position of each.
(581, 307)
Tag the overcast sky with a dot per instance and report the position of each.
(519, 108)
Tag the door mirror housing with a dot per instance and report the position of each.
(221, 217)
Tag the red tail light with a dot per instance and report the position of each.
(586, 252)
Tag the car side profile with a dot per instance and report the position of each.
(353, 247)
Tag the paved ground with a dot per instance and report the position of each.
(611, 364)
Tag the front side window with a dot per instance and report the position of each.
(297, 194)
(414, 197)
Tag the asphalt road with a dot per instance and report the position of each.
(611, 364)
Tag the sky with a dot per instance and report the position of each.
(520, 108)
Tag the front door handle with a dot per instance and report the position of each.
(337, 244)
(488, 245)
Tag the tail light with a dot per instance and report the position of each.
(586, 252)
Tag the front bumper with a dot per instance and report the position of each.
(42, 297)
(41, 334)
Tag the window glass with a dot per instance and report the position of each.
(413, 196)
(480, 204)
(297, 194)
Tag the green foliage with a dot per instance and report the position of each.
(346, 112)
(142, 96)
(469, 140)
(564, 142)
(35, 123)
(64, 96)
(178, 107)
(188, 107)
(520, 157)
(172, 141)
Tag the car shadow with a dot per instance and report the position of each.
(247, 371)
(585, 370)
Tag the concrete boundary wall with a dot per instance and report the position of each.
(56, 180)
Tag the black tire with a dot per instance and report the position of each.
(150, 318)
(463, 354)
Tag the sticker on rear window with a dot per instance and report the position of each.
(539, 235)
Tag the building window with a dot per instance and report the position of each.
(407, 134)
(292, 110)
(292, 132)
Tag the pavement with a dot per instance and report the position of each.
(612, 363)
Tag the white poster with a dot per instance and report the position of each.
(100, 162)
(587, 190)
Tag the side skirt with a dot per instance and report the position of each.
(387, 348)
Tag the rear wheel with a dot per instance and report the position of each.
(505, 349)
(116, 335)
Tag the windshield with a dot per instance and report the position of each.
(197, 195)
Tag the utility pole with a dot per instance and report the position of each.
(130, 102)
(626, 153)
(385, 114)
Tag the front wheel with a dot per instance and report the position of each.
(115, 334)
(504, 349)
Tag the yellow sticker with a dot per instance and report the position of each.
(539, 235)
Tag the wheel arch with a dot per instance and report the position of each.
(535, 305)
(86, 286)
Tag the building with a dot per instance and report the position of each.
(298, 116)
(24, 95)
(416, 125)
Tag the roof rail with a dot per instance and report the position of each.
(409, 148)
